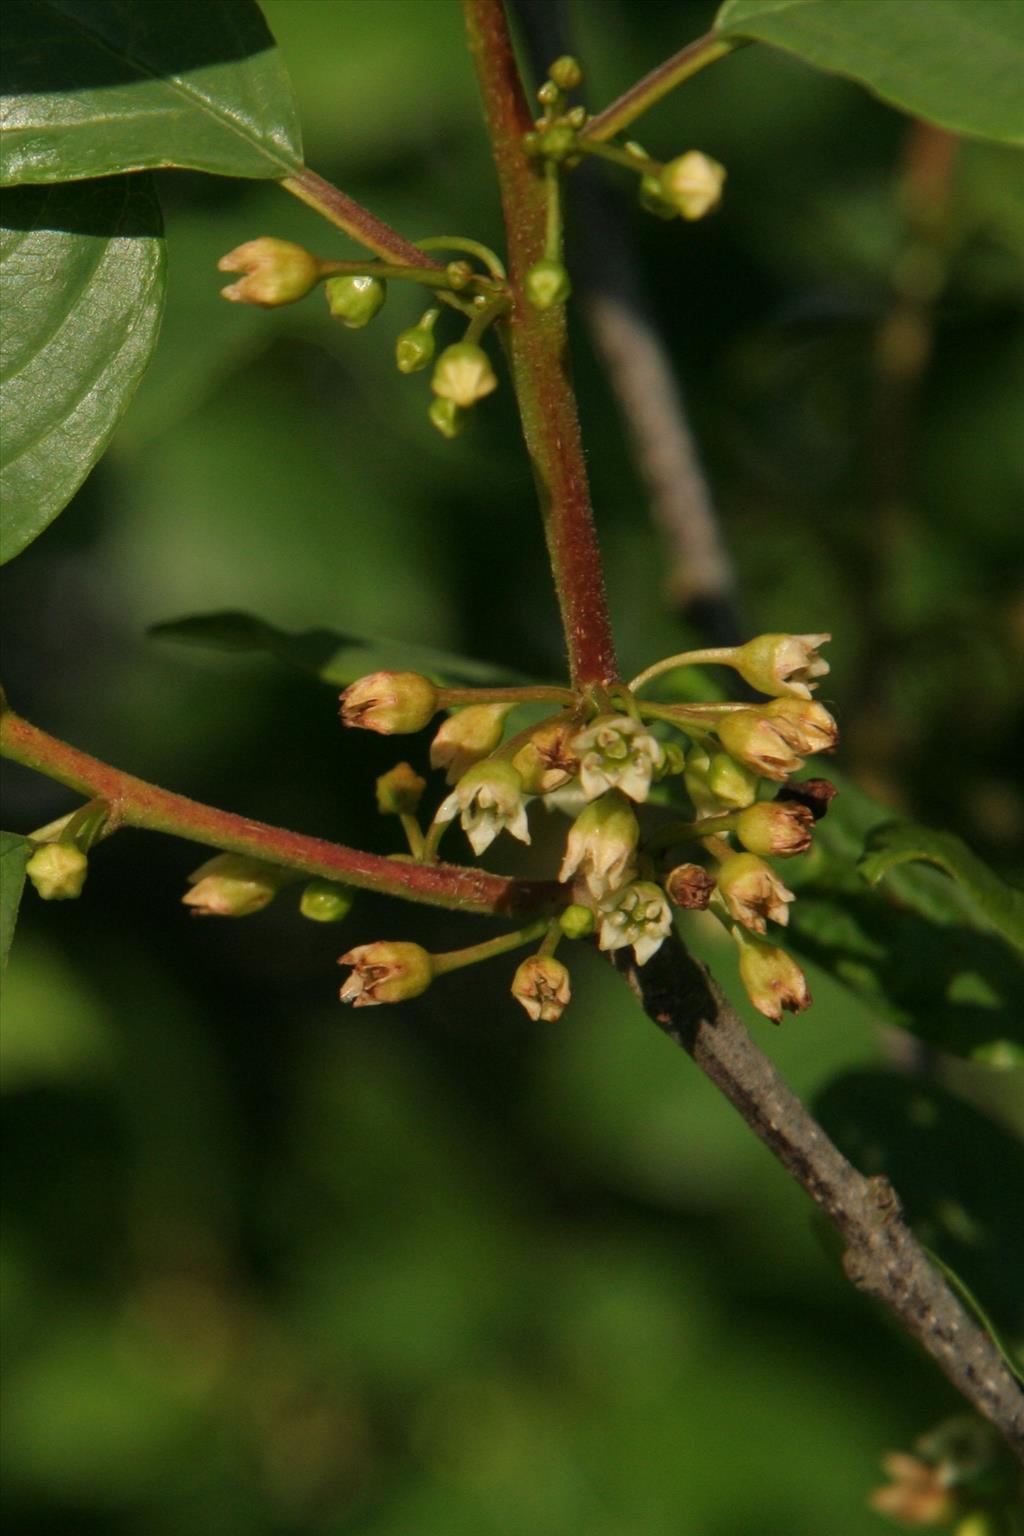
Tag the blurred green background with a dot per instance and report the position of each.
(272, 1267)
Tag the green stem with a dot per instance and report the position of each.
(718, 653)
(413, 834)
(688, 832)
(484, 317)
(483, 253)
(456, 959)
(643, 95)
(425, 276)
(693, 722)
(133, 802)
(553, 212)
(539, 361)
(617, 156)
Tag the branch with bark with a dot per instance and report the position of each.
(883, 1257)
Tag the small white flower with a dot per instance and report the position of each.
(601, 845)
(638, 915)
(617, 752)
(488, 799)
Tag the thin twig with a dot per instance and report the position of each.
(883, 1257)
(662, 79)
(700, 581)
(135, 803)
(538, 357)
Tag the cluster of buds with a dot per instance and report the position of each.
(276, 272)
(603, 753)
(687, 187)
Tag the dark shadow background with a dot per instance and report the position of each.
(271, 1268)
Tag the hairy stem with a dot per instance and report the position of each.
(538, 356)
(363, 226)
(883, 1257)
(634, 102)
(135, 803)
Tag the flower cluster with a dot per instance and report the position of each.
(723, 771)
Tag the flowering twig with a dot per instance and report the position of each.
(883, 1258)
(538, 356)
(135, 803)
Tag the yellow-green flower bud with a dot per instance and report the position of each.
(775, 827)
(467, 736)
(756, 741)
(577, 922)
(651, 199)
(731, 784)
(449, 419)
(58, 871)
(773, 980)
(386, 972)
(324, 901)
(463, 374)
(541, 984)
(400, 790)
(458, 274)
(602, 845)
(547, 284)
(566, 73)
(277, 272)
(355, 299)
(804, 724)
(231, 885)
(753, 892)
(546, 761)
(414, 349)
(689, 886)
(673, 761)
(782, 664)
(557, 143)
(692, 184)
(393, 703)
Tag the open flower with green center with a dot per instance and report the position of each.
(488, 799)
(640, 915)
(617, 752)
(602, 844)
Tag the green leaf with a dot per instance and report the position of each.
(958, 63)
(335, 658)
(93, 87)
(919, 948)
(14, 855)
(82, 288)
(903, 842)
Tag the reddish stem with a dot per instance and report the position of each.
(357, 221)
(539, 359)
(134, 802)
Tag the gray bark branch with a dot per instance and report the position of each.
(883, 1257)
